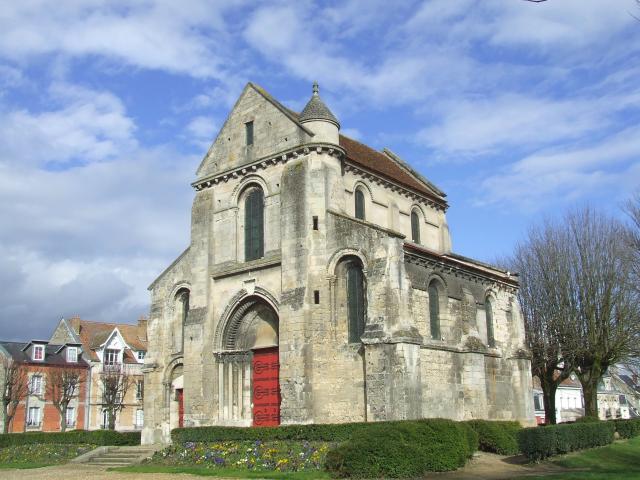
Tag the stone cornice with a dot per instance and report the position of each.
(450, 265)
(447, 348)
(391, 233)
(264, 162)
(234, 268)
(393, 186)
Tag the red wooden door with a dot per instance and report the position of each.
(180, 396)
(265, 387)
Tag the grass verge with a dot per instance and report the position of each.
(224, 472)
(40, 455)
(620, 460)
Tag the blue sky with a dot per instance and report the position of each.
(517, 110)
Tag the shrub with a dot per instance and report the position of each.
(538, 443)
(94, 437)
(497, 437)
(628, 428)
(312, 432)
(403, 449)
(587, 419)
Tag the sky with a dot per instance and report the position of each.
(517, 110)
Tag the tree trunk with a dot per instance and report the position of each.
(7, 420)
(549, 388)
(112, 420)
(589, 380)
(63, 419)
(590, 392)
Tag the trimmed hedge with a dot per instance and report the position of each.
(312, 432)
(628, 428)
(497, 437)
(538, 443)
(403, 449)
(94, 437)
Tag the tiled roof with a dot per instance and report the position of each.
(53, 354)
(366, 157)
(567, 382)
(378, 162)
(94, 334)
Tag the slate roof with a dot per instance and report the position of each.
(628, 380)
(53, 355)
(317, 110)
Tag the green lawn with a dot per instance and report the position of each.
(224, 472)
(40, 455)
(620, 460)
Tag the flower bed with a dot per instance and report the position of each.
(284, 456)
(42, 454)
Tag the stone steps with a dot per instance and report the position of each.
(119, 456)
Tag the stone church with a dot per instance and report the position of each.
(320, 286)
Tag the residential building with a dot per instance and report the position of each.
(320, 286)
(44, 363)
(109, 348)
(617, 397)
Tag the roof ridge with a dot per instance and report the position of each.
(409, 169)
(409, 181)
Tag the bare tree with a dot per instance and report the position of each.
(62, 384)
(604, 320)
(14, 387)
(115, 380)
(579, 299)
(541, 263)
(632, 208)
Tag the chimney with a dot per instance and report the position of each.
(74, 323)
(142, 323)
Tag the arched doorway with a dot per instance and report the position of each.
(176, 397)
(248, 365)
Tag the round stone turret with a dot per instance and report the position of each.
(317, 117)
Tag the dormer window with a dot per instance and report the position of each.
(141, 355)
(72, 354)
(38, 353)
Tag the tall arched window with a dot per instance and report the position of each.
(181, 313)
(254, 225)
(360, 213)
(434, 311)
(415, 227)
(355, 301)
(489, 311)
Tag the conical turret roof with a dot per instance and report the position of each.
(317, 110)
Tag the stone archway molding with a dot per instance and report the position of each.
(231, 318)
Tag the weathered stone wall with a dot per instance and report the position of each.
(397, 371)
(392, 210)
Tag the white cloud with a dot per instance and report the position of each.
(91, 126)
(476, 127)
(189, 37)
(87, 239)
(201, 131)
(567, 173)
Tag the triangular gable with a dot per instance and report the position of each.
(204, 168)
(115, 332)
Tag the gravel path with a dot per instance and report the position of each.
(87, 472)
(483, 466)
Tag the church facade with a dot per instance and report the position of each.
(319, 286)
